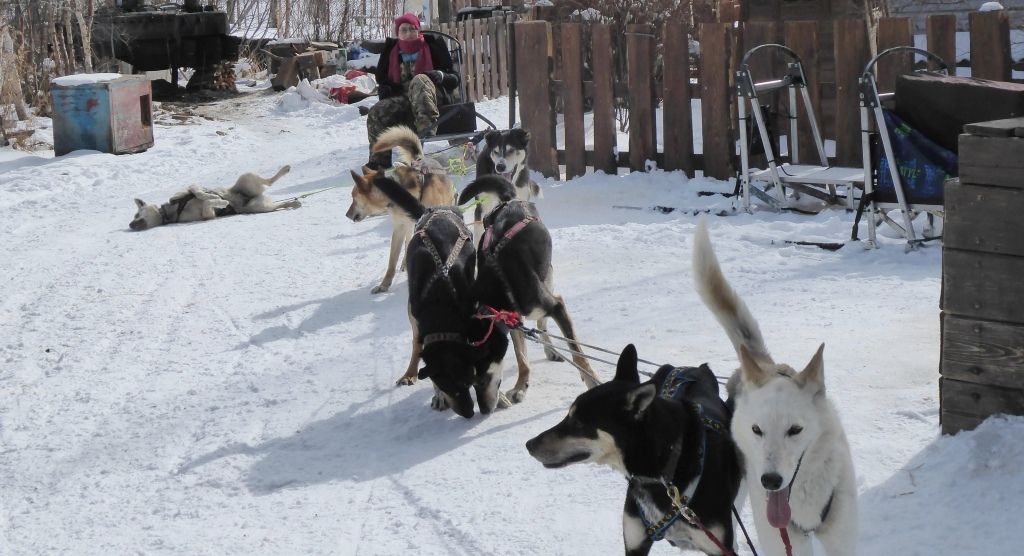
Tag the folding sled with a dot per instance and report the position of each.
(903, 169)
(817, 178)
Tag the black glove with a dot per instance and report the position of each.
(436, 76)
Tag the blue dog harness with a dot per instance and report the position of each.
(675, 386)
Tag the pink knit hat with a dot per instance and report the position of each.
(409, 18)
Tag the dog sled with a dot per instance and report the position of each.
(459, 122)
(813, 176)
(904, 170)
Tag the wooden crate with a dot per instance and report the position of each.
(982, 363)
(104, 112)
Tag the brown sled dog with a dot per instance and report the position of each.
(422, 177)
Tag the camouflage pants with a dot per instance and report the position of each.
(417, 108)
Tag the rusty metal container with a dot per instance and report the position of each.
(103, 112)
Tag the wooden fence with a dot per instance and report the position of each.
(486, 56)
(722, 46)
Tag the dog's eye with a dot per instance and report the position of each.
(794, 430)
(757, 430)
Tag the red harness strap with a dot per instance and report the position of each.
(515, 229)
(508, 318)
(784, 533)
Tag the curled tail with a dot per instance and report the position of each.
(403, 139)
(718, 295)
(280, 173)
(491, 183)
(400, 197)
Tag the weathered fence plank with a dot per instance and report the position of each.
(478, 53)
(990, 45)
(764, 65)
(604, 98)
(893, 31)
(718, 149)
(852, 54)
(941, 36)
(640, 69)
(572, 97)
(802, 38)
(677, 125)
(501, 58)
(534, 82)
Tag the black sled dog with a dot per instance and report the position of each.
(670, 437)
(457, 350)
(514, 273)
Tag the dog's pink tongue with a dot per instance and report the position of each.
(778, 508)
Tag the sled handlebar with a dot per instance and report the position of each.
(933, 57)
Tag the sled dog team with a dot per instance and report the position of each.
(690, 457)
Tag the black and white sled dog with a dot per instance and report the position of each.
(201, 203)
(514, 273)
(798, 465)
(505, 154)
(457, 350)
(670, 437)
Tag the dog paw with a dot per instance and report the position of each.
(294, 204)
(552, 355)
(515, 395)
(380, 289)
(438, 403)
(503, 401)
(406, 381)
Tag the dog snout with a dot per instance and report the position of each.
(500, 167)
(771, 481)
(353, 214)
(532, 444)
(137, 225)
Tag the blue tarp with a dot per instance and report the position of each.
(923, 165)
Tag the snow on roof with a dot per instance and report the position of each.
(85, 79)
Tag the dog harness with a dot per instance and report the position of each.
(442, 267)
(181, 202)
(674, 387)
(491, 254)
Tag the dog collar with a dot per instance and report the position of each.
(442, 337)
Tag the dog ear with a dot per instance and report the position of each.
(356, 177)
(425, 373)
(752, 373)
(640, 398)
(813, 375)
(492, 138)
(140, 203)
(521, 135)
(626, 368)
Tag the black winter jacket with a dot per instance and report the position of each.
(439, 56)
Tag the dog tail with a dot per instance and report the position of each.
(491, 183)
(400, 196)
(718, 295)
(280, 173)
(402, 138)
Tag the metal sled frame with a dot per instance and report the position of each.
(807, 178)
(456, 51)
(871, 103)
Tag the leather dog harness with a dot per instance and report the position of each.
(181, 203)
(442, 267)
(490, 253)
(675, 387)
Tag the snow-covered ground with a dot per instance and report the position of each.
(228, 387)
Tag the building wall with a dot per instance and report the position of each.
(920, 9)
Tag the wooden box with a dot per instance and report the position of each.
(982, 363)
(109, 113)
